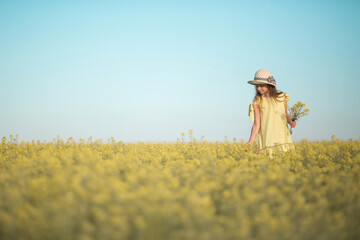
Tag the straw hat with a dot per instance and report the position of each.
(263, 76)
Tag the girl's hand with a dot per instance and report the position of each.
(292, 124)
(248, 147)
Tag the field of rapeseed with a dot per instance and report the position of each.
(92, 190)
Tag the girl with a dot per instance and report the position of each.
(269, 109)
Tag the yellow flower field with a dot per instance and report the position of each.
(92, 190)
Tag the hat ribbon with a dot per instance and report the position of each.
(269, 79)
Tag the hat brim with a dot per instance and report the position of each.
(259, 82)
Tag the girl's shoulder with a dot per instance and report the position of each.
(257, 101)
(282, 96)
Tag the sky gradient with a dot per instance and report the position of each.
(150, 70)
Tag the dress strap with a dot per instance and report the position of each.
(251, 112)
(286, 96)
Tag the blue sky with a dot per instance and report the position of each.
(150, 70)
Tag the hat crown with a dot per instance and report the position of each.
(263, 73)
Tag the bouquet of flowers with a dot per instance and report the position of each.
(297, 111)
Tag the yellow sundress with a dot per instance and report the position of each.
(273, 124)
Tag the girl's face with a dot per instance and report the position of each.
(262, 89)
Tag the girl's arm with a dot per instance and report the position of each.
(256, 126)
(288, 118)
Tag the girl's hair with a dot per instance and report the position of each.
(273, 93)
